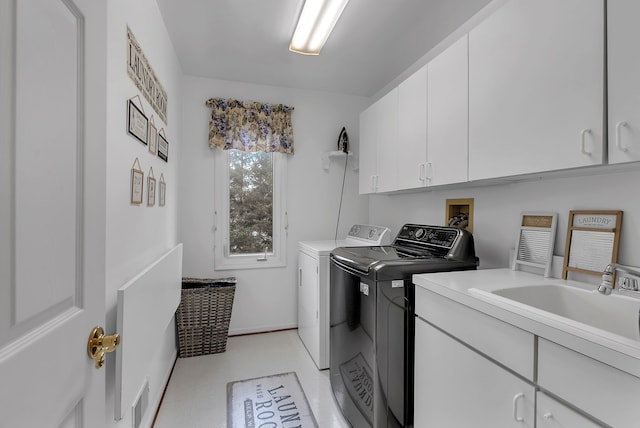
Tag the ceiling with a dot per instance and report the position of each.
(247, 40)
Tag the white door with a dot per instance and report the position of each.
(52, 210)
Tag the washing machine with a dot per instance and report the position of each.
(373, 320)
(313, 285)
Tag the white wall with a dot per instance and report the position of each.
(138, 235)
(497, 209)
(266, 299)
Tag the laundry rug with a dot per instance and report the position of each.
(276, 401)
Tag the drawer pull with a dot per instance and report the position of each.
(516, 398)
(548, 416)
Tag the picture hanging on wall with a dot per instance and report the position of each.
(151, 188)
(163, 146)
(137, 122)
(137, 183)
(162, 191)
(153, 137)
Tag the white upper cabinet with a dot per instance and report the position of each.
(623, 33)
(536, 88)
(368, 150)
(388, 144)
(412, 131)
(448, 117)
(378, 141)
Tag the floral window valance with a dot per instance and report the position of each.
(250, 126)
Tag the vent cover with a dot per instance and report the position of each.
(140, 406)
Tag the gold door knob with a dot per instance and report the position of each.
(99, 344)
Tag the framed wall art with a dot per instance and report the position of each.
(151, 188)
(593, 239)
(162, 191)
(163, 146)
(152, 137)
(137, 183)
(137, 122)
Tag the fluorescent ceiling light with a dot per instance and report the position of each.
(316, 22)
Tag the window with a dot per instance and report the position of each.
(250, 214)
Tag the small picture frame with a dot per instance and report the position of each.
(163, 148)
(162, 193)
(151, 191)
(151, 188)
(137, 122)
(137, 183)
(153, 139)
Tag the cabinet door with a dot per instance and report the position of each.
(368, 150)
(457, 387)
(412, 131)
(387, 142)
(553, 414)
(448, 118)
(600, 390)
(536, 79)
(308, 328)
(623, 70)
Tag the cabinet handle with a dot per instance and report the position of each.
(299, 277)
(516, 398)
(422, 172)
(583, 142)
(373, 183)
(618, 137)
(429, 171)
(548, 416)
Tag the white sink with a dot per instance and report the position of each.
(578, 307)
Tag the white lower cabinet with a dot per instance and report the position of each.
(600, 390)
(458, 387)
(474, 370)
(553, 414)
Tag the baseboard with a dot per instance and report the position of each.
(157, 402)
(261, 329)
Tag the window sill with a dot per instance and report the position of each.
(249, 263)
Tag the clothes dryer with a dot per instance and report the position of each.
(313, 286)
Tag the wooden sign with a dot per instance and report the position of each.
(593, 239)
(536, 240)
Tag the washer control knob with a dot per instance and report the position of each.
(419, 233)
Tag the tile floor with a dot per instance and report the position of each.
(197, 393)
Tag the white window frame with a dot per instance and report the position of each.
(278, 257)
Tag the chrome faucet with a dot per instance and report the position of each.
(606, 286)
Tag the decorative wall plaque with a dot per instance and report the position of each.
(536, 240)
(593, 239)
(140, 71)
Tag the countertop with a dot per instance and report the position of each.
(616, 351)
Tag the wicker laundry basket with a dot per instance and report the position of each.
(203, 315)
